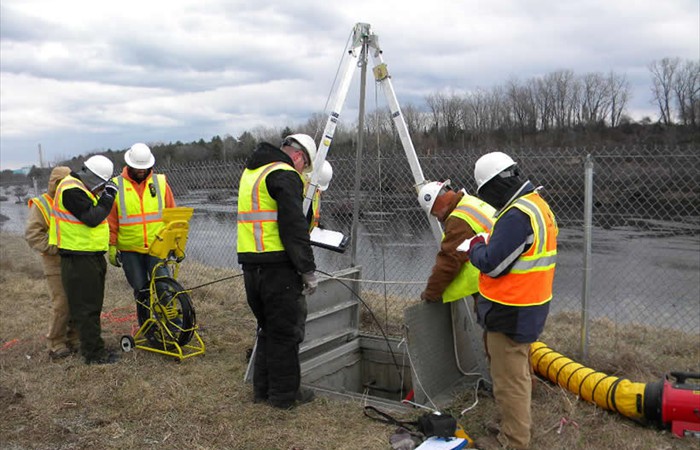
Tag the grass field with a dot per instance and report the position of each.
(148, 400)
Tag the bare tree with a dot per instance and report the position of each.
(686, 87)
(662, 78)
(434, 102)
(619, 96)
(417, 122)
(481, 104)
(446, 110)
(561, 84)
(521, 100)
(595, 98)
(545, 103)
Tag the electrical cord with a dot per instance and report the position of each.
(216, 281)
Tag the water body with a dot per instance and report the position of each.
(646, 273)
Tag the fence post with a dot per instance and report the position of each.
(587, 253)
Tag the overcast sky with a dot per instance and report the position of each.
(80, 76)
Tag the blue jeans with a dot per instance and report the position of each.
(138, 268)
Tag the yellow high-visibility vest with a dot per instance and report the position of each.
(258, 230)
(43, 202)
(529, 281)
(140, 217)
(479, 215)
(67, 232)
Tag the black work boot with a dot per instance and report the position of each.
(303, 395)
(105, 357)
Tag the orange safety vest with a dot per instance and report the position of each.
(529, 281)
(140, 217)
(258, 230)
(67, 232)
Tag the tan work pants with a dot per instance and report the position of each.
(61, 334)
(512, 387)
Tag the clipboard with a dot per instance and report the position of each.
(330, 240)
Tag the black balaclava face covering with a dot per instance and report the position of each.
(497, 191)
(134, 174)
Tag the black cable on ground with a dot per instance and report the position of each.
(215, 281)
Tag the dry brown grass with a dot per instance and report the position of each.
(150, 401)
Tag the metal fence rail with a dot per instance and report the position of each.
(645, 233)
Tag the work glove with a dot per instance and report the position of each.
(114, 256)
(468, 244)
(310, 283)
(110, 189)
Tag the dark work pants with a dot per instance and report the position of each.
(83, 279)
(138, 268)
(274, 296)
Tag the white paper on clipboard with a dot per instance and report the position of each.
(332, 240)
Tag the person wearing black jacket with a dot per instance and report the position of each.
(79, 229)
(278, 264)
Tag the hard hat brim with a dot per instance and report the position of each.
(134, 165)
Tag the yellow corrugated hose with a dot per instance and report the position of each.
(607, 391)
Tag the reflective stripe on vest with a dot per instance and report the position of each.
(529, 281)
(258, 231)
(43, 202)
(140, 217)
(316, 208)
(69, 233)
(479, 215)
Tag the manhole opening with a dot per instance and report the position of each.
(368, 366)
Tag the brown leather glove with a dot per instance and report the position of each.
(425, 298)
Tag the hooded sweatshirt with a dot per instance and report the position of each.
(287, 189)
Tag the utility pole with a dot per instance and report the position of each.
(41, 158)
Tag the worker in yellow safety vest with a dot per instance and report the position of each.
(78, 227)
(463, 216)
(517, 262)
(136, 217)
(278, 264)
(62, 339)
(453, 277)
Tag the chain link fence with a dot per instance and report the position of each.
(645, 234)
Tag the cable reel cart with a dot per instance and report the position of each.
(167, 320)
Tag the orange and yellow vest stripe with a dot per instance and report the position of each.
(43, 202)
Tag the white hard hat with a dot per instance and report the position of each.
(490, 165)
(100, 166)
(324, 178)
(139, 156)
(306, 144)
(429, 192)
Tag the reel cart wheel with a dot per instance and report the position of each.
(127, 343)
